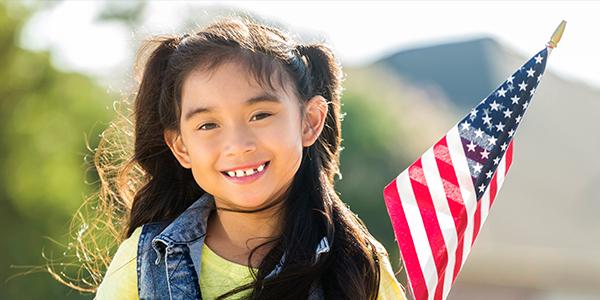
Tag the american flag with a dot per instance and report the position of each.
(439, 203)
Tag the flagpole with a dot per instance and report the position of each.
(556, 36)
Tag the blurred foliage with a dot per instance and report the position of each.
(127, 12)
(47, 116)
(380, 140)
(367, 163)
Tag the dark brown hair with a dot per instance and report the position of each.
(153, 186)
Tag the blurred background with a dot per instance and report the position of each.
(412, 70)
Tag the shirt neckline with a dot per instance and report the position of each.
(224, 260)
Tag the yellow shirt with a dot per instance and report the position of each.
(120, 281)
(224, 275)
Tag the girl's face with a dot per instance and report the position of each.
(230, 124)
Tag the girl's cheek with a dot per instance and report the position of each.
(209, 146)
(276, 133)
(203, 147)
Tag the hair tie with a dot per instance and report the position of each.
(301, 49)
(178, 41)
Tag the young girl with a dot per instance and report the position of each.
(237, 130)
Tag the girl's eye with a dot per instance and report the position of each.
(213, 125)
(262, 114)
(201, 127)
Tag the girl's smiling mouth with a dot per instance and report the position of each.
(246, 175)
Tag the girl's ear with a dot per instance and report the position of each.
(314, 119)
(175, 143)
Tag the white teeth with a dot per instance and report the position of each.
(248, 172)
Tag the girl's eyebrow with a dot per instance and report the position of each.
(266, 97)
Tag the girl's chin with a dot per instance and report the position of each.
(249, 205)
(245, 204)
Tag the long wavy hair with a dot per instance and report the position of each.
(150, 185)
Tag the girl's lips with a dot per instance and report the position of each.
(249, 178)
(246, 167)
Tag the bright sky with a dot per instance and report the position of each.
(358, 31)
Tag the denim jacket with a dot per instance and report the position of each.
(172, 270)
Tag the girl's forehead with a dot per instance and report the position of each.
(231, 82)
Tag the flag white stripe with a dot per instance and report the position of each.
(417, 230)
(449, 272)
(485, 205)
(444, 215)
(501, 170)
(467, 190)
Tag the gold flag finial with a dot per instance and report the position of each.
(557, 34)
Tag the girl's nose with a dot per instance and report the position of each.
(240, 140)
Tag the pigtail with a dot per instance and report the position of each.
(324, 77)
(170, 188)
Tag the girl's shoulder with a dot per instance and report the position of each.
(389, 287)
(379, 247)
(120, 280)
(128, 247)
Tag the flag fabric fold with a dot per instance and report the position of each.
(439, 203)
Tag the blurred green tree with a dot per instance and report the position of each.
(45, 117)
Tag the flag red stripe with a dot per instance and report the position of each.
(429, 216)
(454, 196)
(439, 289)
(455, 205)
(405, 241)
(509, 155)
(493, 185)
(451, 187)
(493, 188)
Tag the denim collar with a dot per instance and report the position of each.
(191, 225)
